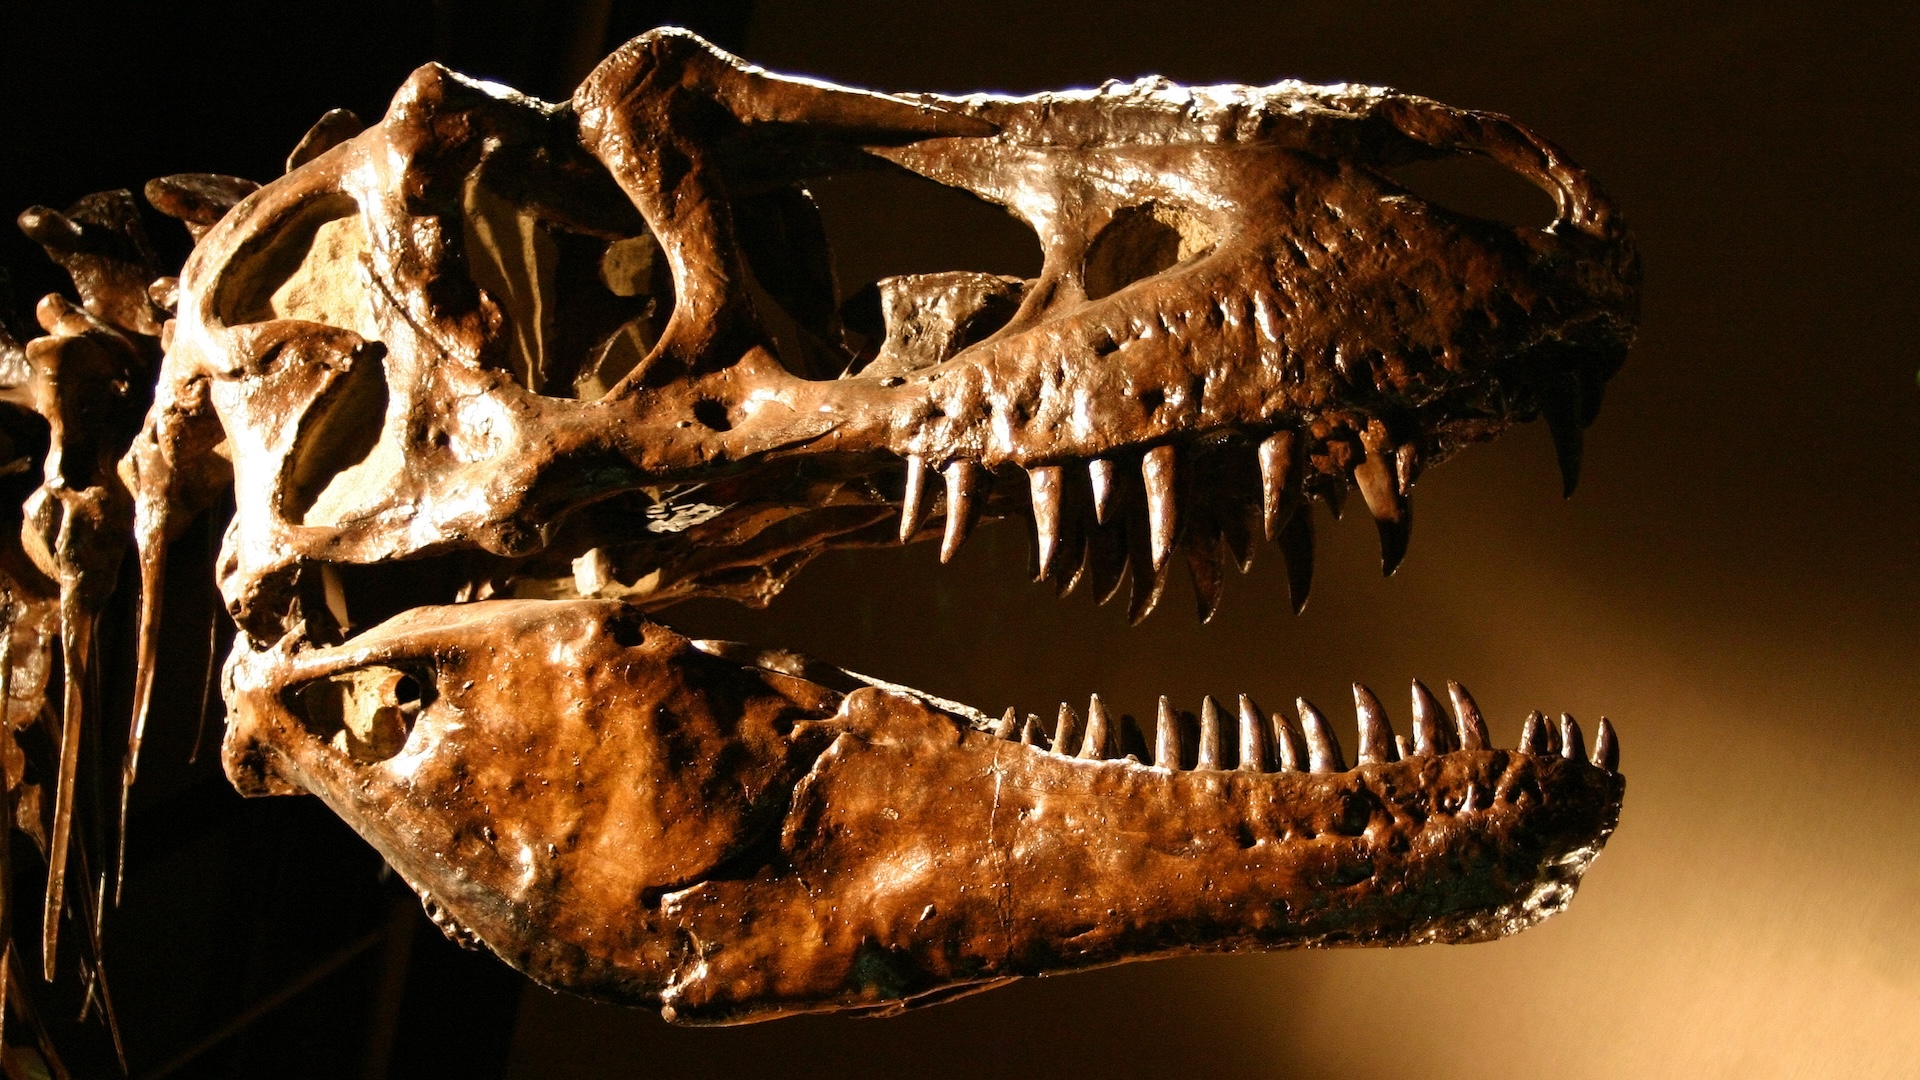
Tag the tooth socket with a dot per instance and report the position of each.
(1468, 725)
(1256, 754)
(1323, 749)
(1573, 745)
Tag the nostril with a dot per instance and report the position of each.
(367, 713)
(1477, 186)
(407, 693)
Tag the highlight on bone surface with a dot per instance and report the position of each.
(492, 382)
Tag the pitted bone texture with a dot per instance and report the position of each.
(619, 813)
(493, 377)
(478, 320)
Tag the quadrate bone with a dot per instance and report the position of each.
(494, 380)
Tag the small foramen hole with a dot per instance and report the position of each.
(628, 634)
(712, 414)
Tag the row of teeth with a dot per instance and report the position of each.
(1274, 744)
(1383, 474)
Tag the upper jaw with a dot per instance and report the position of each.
(732, 841)
(1271, 309)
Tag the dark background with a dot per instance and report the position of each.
(1735, 584)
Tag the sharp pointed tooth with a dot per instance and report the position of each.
(913, 505)
(1166, 736)
(1563, 410)
(1238, 523)
(1030, 731)
(1255, 753)
(1209, 734)
(1606, 748)
(1149, 581)
(1008, 725)
(1407, 462)
(1553, 734)
(1472, 730)
(1100, 471)
(963, 483)
(1533, 737)
(1159, 471)
(1573, 745)
(1429, 722)
(1206, 567)
(1072, 569)
(335, 594)
(1296, 546)
(1106, 564)
(1402, 747)
(1323, 749)
(1336, 496)
(1289, 749)
(1044, 483)
(1066, 731)
(1276, 470)
(1098, 743)
(1376, 731)
(1380, 487)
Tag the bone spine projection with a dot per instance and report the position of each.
(493, 379)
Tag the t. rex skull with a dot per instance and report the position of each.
(497, 377)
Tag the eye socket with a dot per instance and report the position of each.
(367, 713)
(581, 310)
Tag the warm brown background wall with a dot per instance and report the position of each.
(1737, 583)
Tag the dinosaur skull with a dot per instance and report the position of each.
(495, 378)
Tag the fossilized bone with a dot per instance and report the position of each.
(493, 379)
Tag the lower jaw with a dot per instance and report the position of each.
(888, 853)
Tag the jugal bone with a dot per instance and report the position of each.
(492, 381)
